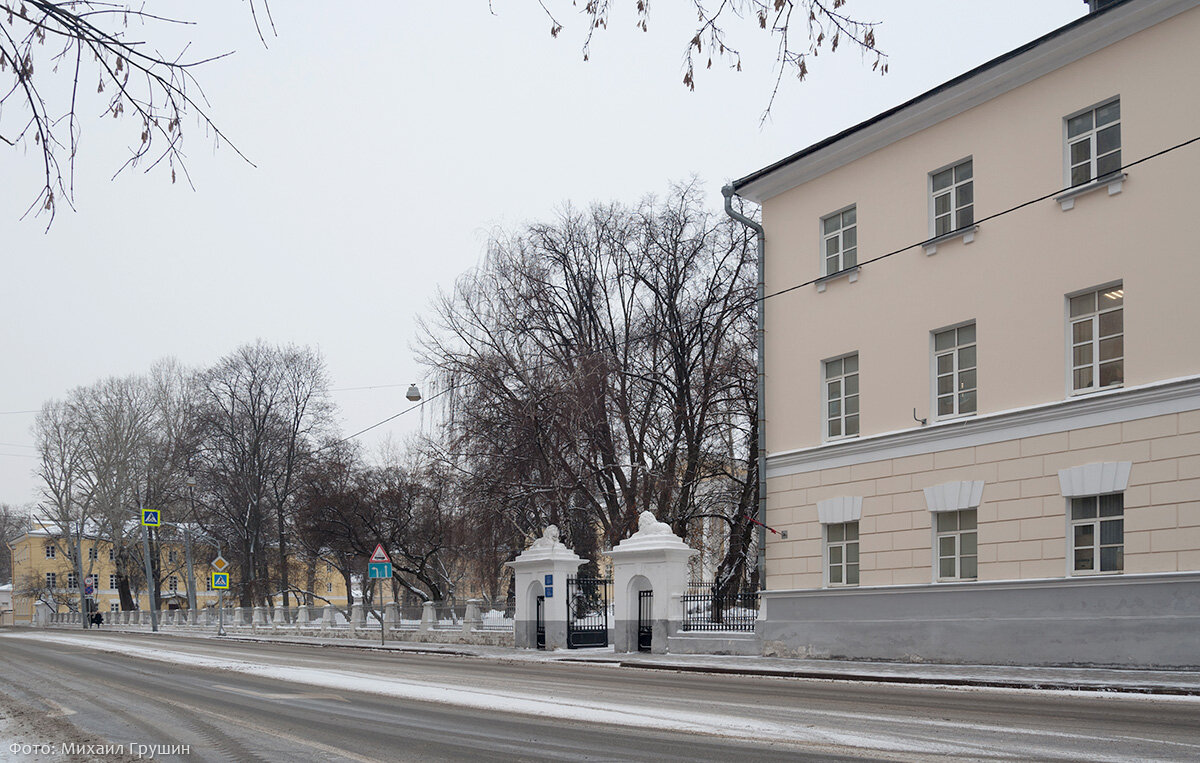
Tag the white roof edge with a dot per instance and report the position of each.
(924, 111)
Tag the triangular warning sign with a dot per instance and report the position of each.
(380, 555)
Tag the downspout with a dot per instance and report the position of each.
(761, 465)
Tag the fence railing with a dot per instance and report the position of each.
(706, 609)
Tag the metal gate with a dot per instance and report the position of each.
(541, 622)
(645, 620)
(587, 612)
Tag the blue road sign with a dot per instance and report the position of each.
(377, 570)
(220, 581)
(549, 580)
(151, 517)
(88, 587)
(549, 592)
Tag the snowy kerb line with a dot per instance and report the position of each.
(906, 741)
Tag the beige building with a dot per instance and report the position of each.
(983, 403)
(45, 577)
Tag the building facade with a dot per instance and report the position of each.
(983, 403)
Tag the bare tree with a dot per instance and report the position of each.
(601, 363)
(65, 510)
(13, 523)
(54, 49)
(263, 408)
(801, 30)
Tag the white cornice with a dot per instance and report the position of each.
(1158, 399)
(990, 81)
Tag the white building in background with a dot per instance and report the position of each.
(986, 446)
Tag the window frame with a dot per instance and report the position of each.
(173, 584)
(826, 400)
(822, 237)
(956, 534)
(953, 191)
(1094, 342)
(112, 581)
(1097, 536)
(52, 581)
(1091, 136)
(72, 582)
(934, 354)
(51, 551)
(843, 545)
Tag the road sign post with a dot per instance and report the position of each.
(219, 564)
(150, 518)
(379, 568)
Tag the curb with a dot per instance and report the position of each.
(992, 683)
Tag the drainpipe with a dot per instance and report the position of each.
(727, 192)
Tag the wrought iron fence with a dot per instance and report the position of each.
(705, 608)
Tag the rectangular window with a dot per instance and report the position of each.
(112, 582)
(841, 397)
(839, 241)
(170, 557)
(1094, 143)
(957, 541)
(111, 555)
(51, 580)
(329, 588)
(51, 552)
(72, 581)
(208, 582)
(955, 383)
(1097, 331)
(95, 581)
(1098, 533)
(952, 195)
(114, 606)
(92, 553)
(173, 584)
(841, 553)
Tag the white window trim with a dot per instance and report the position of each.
(1069, 539)
(851, 271)
(1068, 356)
(1113, 180)
(933, 374)
(935, 552)
(954, 496)
(967, 233)
(825, 555)
(824, 400)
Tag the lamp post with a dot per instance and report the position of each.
(190, 481)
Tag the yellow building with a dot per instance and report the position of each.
(45, 575)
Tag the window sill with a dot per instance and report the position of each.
(1094, 390)
(1112, 182)
(851, 274)
(967, 234)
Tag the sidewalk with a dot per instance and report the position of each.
(1135, 681)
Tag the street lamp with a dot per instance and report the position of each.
(190, 481)
(413, 393)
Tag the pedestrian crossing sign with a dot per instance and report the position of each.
(151, 517)
(220, 581)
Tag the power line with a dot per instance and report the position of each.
(781, 292)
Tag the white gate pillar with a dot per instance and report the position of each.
(542, 570)
(652, 559)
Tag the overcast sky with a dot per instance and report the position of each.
(389, 141)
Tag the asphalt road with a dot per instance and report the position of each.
(539, 711)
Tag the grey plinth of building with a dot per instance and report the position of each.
(542, 571)
(1147, 621)
(652, 559)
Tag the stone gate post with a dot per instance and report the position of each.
(542, 570)
(652, 559)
